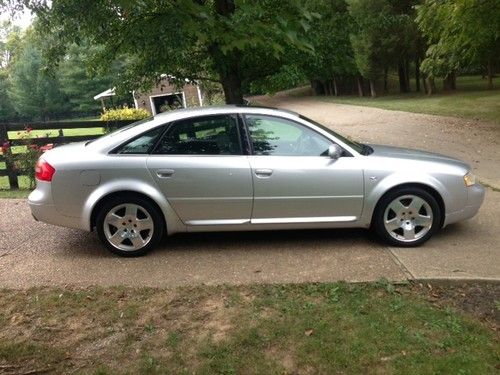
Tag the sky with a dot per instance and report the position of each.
(22, 20)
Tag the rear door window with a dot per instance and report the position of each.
(210, 135)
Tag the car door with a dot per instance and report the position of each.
(294, 178)
(199, 166)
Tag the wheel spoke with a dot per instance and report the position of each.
(409, 233)
(131, 210)
(116, 239)
(393, 224)
(114, 220)
(138, 242)
(397, 206)
(423, 221)
(416, 204)
(143, 224)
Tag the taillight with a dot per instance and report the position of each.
(44, 171)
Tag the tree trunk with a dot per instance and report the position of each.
(424, 82)
(335, 87)
(227, 63)
(231, 84)
(386, 88)
(330, 85)
(449, 82)
(417, 75)
(407, 74)
(402, 78)
(317, 87)
(490, 75)
(431, 85)
(373, 92)
(360, 86)
(326, 85)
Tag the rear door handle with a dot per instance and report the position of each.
(262, 172)
(165, 173)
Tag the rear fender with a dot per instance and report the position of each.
(174, 224)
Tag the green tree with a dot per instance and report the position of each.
(374, 38)
(80, 80)
(333, 58)
(32, 92)
(460, 33)
(9, 46)
(217, 40)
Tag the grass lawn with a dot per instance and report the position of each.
(264, 329)
(471, 100)
(55, 133)
(4, 193)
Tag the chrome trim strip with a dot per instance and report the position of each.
(311, 197)
(218, 222)
(180, 199)
(293, 220)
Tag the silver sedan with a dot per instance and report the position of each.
(246, 168)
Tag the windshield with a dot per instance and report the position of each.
(358, 147)
(119, 130)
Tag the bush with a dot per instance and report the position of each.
(124, 114)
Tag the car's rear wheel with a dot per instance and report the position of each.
(129, 225)
(407, 216)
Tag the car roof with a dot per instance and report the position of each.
(211, 110)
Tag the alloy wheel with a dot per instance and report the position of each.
(408, 218)
(128, 227)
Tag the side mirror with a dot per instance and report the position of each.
(334, 151)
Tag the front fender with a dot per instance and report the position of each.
(376, 187)
(174, 224)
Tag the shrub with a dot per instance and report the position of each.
(124, 113)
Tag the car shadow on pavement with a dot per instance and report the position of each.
(267, 238)
(76, 243)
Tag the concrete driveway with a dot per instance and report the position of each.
(35, 254)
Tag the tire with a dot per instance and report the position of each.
(129, 225)
(407, 217)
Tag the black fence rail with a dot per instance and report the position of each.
(62, 138)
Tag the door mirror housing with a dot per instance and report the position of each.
(334, 151)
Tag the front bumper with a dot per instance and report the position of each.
(43, 209)
(475, 198)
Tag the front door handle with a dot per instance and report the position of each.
(262, 172)
(165, 173)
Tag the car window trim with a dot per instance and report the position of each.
(245, 135)
(233, 116)
(244, 115)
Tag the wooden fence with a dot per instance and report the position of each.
(61, 138)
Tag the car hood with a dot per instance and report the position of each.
(406, 153)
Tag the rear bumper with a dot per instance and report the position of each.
(475, 198)
(43, 209)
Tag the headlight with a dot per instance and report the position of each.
(469, 179)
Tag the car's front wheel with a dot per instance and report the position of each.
(407, 216)
(129, 225)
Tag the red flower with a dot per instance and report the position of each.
(5, 147)
(28, 129)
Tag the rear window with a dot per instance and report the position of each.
(142, 144)
(120, 130)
